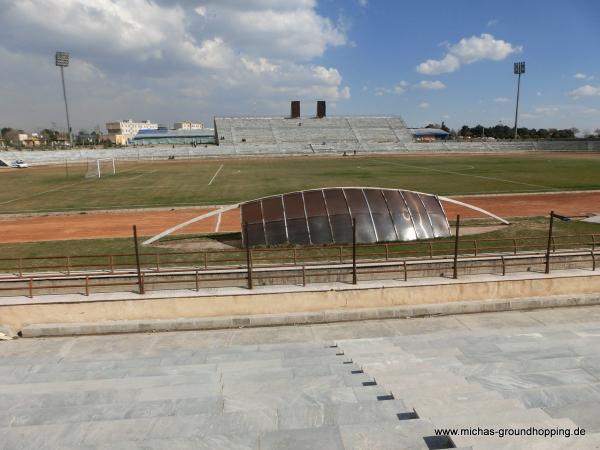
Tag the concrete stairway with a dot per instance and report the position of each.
(274, 396)
(458, 382)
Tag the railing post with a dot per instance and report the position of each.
(295, 257)
(405, 270)
(430, 250)
(549, 242)
(111, 264)
(553, 245)
(387, 252)
(30, 287)
(20, 267)
(303, 276)
(503, 265)
(593, 261)
(157, 259)
(205, 260)
(197, 283)
(248, 259)
(87, 286)
(354, 280)
(340, 250)
(137, 261)
(475, 245)
(515, 246)
(456, 240)
(68, 265)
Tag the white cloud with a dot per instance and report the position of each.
(583, 76)
(547, 110)
(586, 91)
(448, 63)
(399, 89)
(431, 85)
(502, 100)
(363, 3)
(538, 93)
(467, 51)
(424, 105)
(217, 56)
(381, 91)
(492, 22)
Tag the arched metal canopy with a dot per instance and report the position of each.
(320, 216)
(324, 216)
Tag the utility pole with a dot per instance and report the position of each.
(518, 69)
(62, 61)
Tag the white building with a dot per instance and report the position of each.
(129, 128)
(188, 125)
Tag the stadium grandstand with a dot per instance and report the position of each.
(318, 134)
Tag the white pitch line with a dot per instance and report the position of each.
(142, 174)
(218, 223)
(215, 175)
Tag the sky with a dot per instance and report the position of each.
(172, 60)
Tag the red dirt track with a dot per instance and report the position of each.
(117, 224)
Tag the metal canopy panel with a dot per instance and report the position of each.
(252, 216)
(401, 215)
(419, 215)
(360, 211)
(324, 216)
(339, 215)
(295, 217)
(382, 217)
(436, 215)
(317, 217)
(276, 232)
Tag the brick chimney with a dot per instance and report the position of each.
(321, 109)
(295, 113)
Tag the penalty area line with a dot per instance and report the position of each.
(215, 175)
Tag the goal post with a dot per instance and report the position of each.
(101, 167)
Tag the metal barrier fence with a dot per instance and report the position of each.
(205, 260)
(249, 276)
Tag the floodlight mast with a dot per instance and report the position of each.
(519, 69)
(62, 61)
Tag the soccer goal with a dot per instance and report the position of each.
(101, 167)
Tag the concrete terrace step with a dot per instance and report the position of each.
(340, 414)
(472, 408)
(479, 418)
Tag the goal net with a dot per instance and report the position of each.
(101, 168)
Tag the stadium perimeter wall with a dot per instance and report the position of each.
(19, 312)
(40, 157)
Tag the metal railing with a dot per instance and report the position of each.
(249, 276)
(205, 260)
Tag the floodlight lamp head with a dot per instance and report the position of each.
(62, 59)
(519, 68)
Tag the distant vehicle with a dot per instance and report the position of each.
(19, 164)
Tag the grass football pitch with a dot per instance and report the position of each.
(178, 183)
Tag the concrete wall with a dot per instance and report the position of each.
(18, 313)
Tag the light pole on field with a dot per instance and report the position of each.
(62, 61)
(519, 70)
